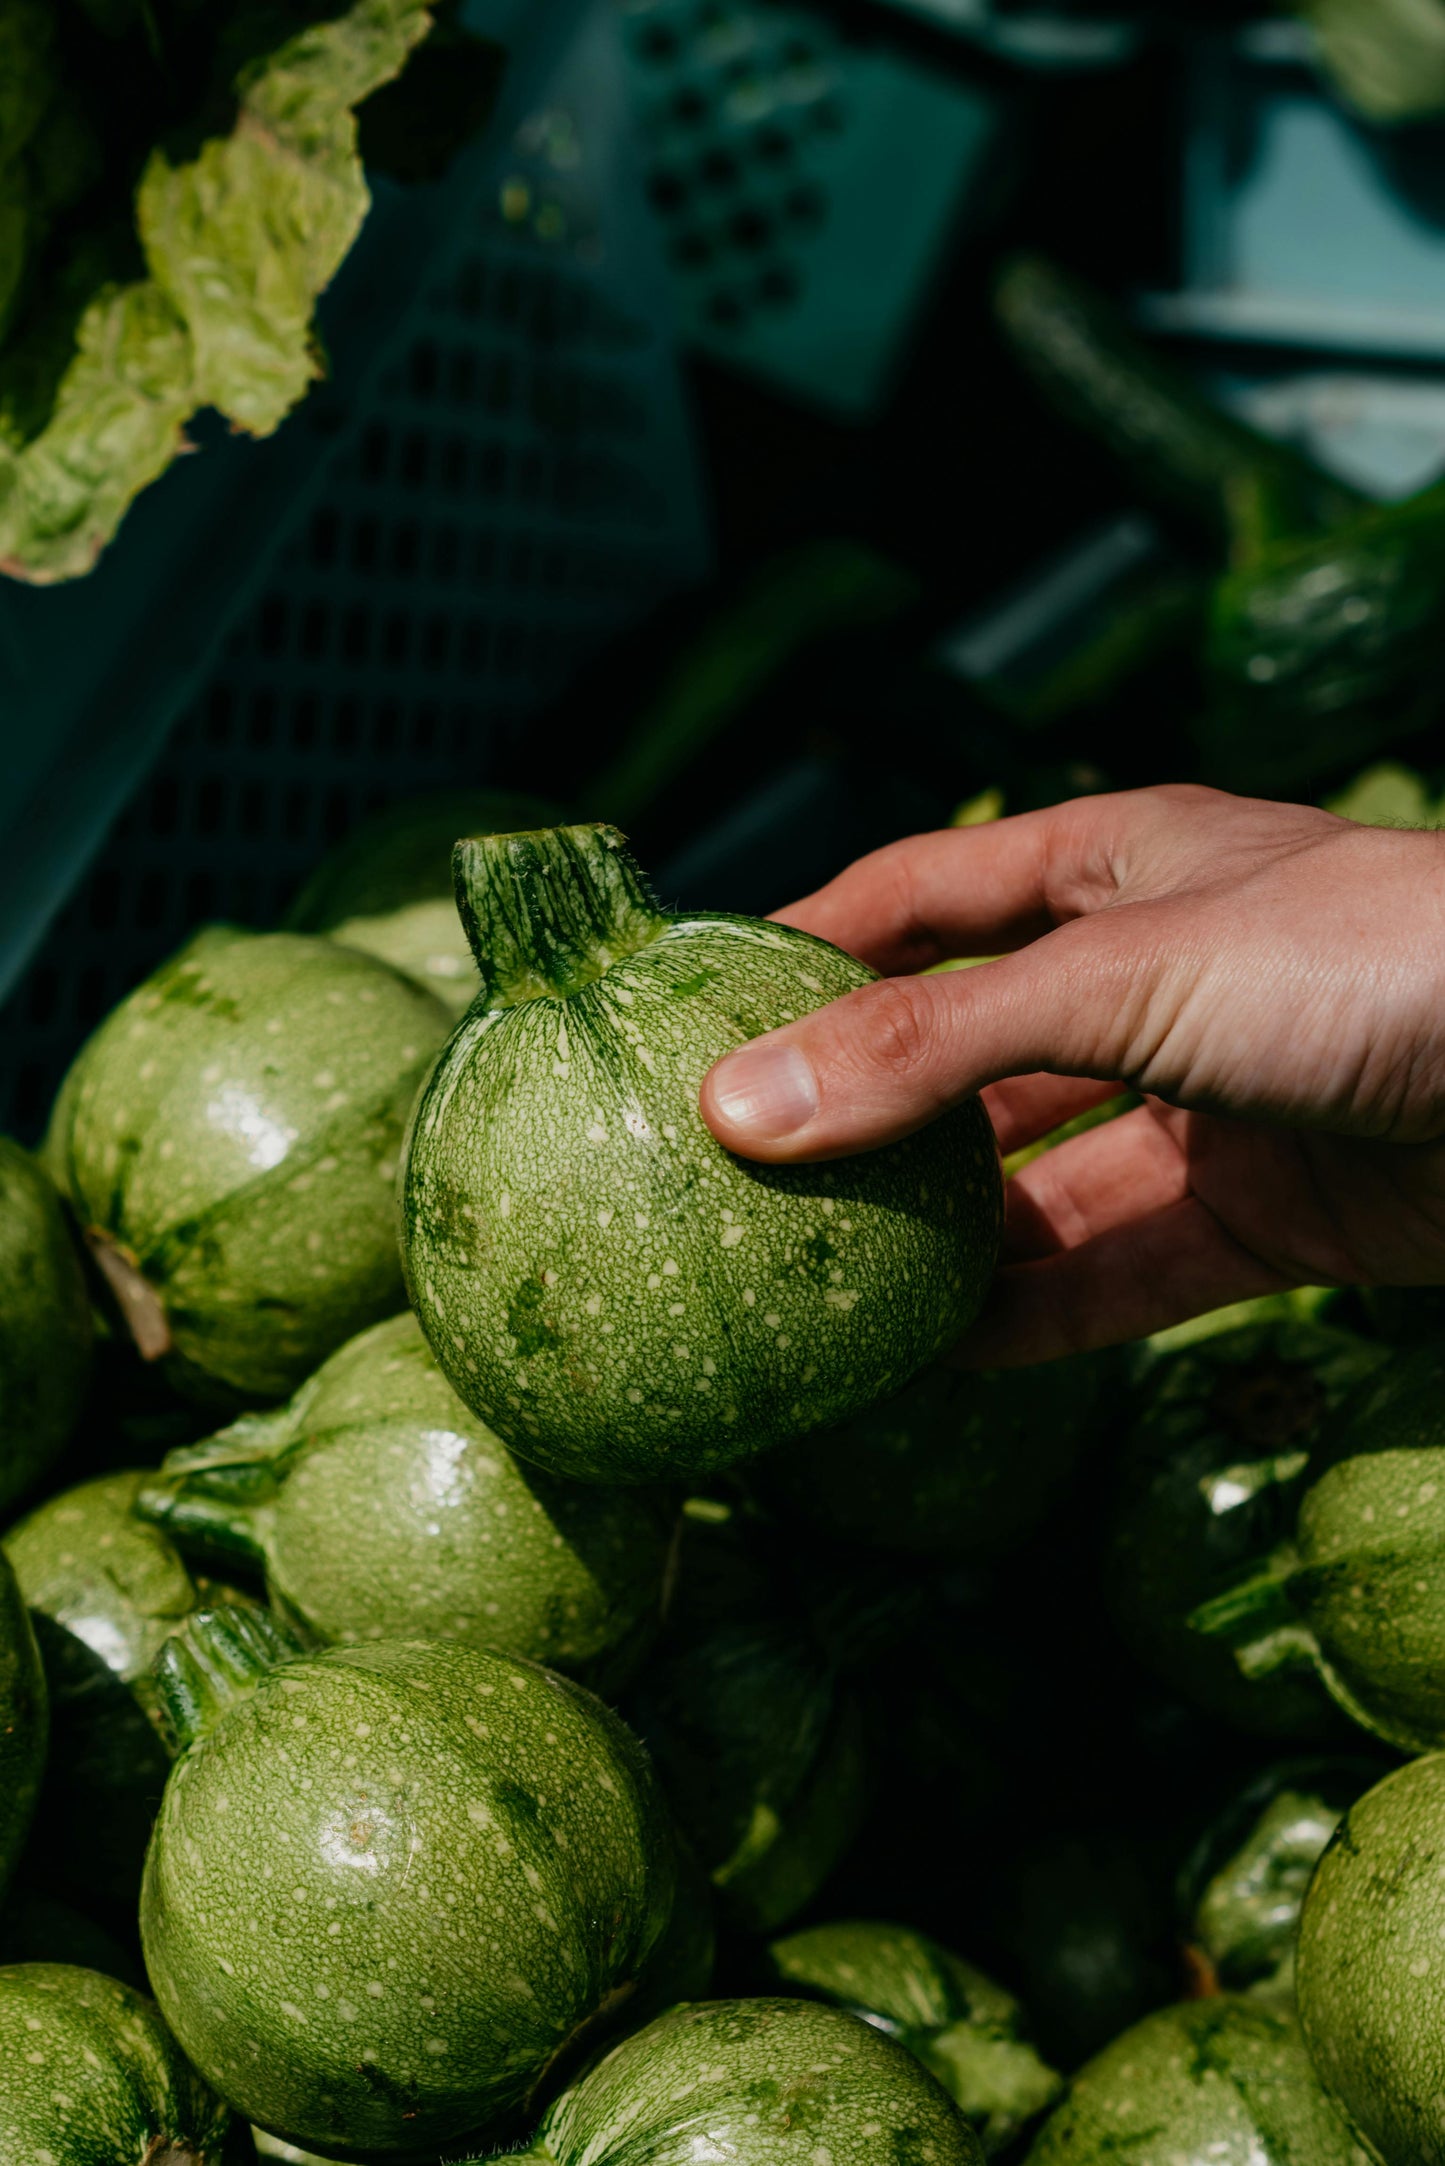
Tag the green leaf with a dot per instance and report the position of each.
(1387, 57)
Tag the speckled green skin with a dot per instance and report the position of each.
(619, 1296)
(760, 1749)
(758, 2083)
(380, 1506)
(24, 1722)
(391, 1882)
(1246, 1885)
(233, 1128)
(965, 2029)
(45, 1324)
(1254, 1399)
(105, 1592)
(90, 2076)
(1221, 2082)
(1371, 1965)
(959, 1463)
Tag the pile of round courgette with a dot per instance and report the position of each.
(512, 1644)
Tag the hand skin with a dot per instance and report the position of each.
(1269, 977)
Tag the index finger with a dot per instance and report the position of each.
(966, 890)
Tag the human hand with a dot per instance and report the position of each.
(1269, 977)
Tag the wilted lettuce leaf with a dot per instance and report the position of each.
(237, 239)
(1387, 56)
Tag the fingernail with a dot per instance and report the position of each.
(769, 1090)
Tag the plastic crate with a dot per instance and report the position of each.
(806, 184)
(1301, 225)
(454, 530)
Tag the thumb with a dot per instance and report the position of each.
(892, 1056)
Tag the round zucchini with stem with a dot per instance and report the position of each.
(90, 2076)
(393, 1889)
(229, 1138)
(379, 1506)
(105, 1592)
(616, 1294)
(760, 2083)
(45, 1324)
(964, 2029)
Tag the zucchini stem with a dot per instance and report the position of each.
(547, 912)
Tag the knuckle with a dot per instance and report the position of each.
(897, 1034)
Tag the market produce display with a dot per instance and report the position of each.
(91, 2076)
(378, 1506)
(45, 1325)
(229, 1140)
(389, 1885)
(602, 1282)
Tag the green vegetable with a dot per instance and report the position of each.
(105, 1592)
(965, 2029)
(210, 302)
(229, 1135)
(90, 2076)
(1178, 446)
(1221, 2080)
(45, 1325)
(1210, 1478)
(1245, 1885)
(378, 1506)
(23, 1722)
(1321, 647)
(759, 1746)
(1386, 56)
(959, 1463)
(390, 1884)
(1355, 1589)
(610, 1289)
(762, 2083)
(388, 887)
(1388, 795)
(1370, 1965)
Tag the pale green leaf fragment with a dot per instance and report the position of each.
(1386, 56)
(117, 423)
(245, 236)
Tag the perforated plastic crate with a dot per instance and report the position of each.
(806, 184)
(511, 482)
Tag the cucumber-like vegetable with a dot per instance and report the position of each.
(1369, 1967)
(1178, 445)
(1243, 1887)
(759, 1745)
(45, 1324)
(1209, 1481)
(229, 1137)
(1223, 2080)
(390, 1887)
(958, 1463)
(964, 2029)
(1355, 1588)
(616, 1294)
(24, 1722)
(379, 1506)
(388, 888)
(105, 1592)
(90, 2076)
(762, 2083)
